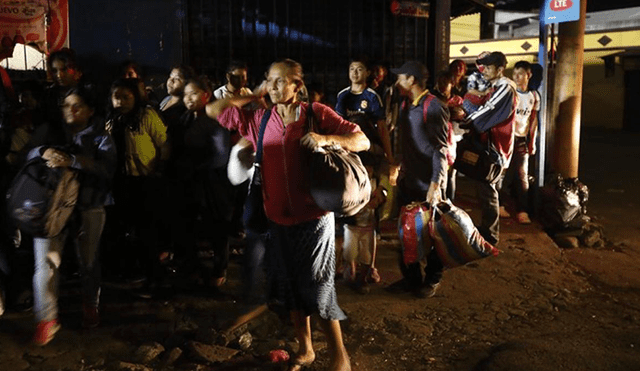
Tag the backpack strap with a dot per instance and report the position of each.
(263, 126)
(425, 106)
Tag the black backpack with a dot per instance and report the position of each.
(41, 199)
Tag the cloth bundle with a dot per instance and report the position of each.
(455, 238)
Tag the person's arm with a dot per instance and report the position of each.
(103, 164)
(214, 109)
(533, 131)
(158, 133)
(354, 142)
(339, 131)
(533, 125)
(383, 130)
(478, 92)
(496, 110)
(438, 134)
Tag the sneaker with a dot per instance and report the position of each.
(45, 332)
(90, 316)
(427, 291)
(504, 213)
(523, 218)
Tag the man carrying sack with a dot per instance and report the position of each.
(423, 169)
(493, 121)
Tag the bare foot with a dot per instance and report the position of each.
(301, 360)
(341, 364)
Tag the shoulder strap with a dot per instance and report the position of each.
(311, 127)
(425, 105)
(263, 126)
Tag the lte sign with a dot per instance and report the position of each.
(557, 11)
(560, 5)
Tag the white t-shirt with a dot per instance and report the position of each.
(528, 101)
(223, 92)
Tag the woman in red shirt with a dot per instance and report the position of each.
(301, 238)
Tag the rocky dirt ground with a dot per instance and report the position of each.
(533, 307)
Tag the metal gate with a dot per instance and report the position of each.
(321, 34)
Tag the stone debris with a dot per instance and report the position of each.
(592, 235)
(567, 242)
(148, 352)
(211, 353)
(209, 336)
(171, 357)
(126, 366)
(245, 340)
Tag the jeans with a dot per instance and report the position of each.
(48, 256)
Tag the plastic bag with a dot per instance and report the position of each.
(413, 231)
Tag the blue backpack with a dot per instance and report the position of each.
(41, 199)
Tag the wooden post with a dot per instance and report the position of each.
(568, 95)
(438, 36)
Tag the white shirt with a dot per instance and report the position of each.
(528, 102)
(223, 92)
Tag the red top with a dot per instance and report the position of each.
(287, 199)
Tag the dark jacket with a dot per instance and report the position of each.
(94, 156)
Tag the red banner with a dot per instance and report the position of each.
(24, 22)
(410, 9)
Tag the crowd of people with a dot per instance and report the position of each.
(156, 177)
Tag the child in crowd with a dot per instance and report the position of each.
(477, 88)
(172, 106)
(236, 81)
(525, 130)
(444, 91)
(359, 249)
(142, 147)
(201, 150)
(458, 70)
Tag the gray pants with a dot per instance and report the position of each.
(490, 205)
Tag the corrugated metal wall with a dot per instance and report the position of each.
(321, 34)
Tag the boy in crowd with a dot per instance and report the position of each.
(236, 82)
(477, 88)
(525, 130)
(360, 104)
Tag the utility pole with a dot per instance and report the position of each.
(567, 95)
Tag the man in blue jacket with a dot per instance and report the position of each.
(494, 122)
(423, 170)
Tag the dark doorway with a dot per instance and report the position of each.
(631, 118)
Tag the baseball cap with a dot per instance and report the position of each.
(412, 68)
(493, 59)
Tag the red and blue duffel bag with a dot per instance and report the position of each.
(413, 231)
(455, 238)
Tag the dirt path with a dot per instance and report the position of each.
(533, 307)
